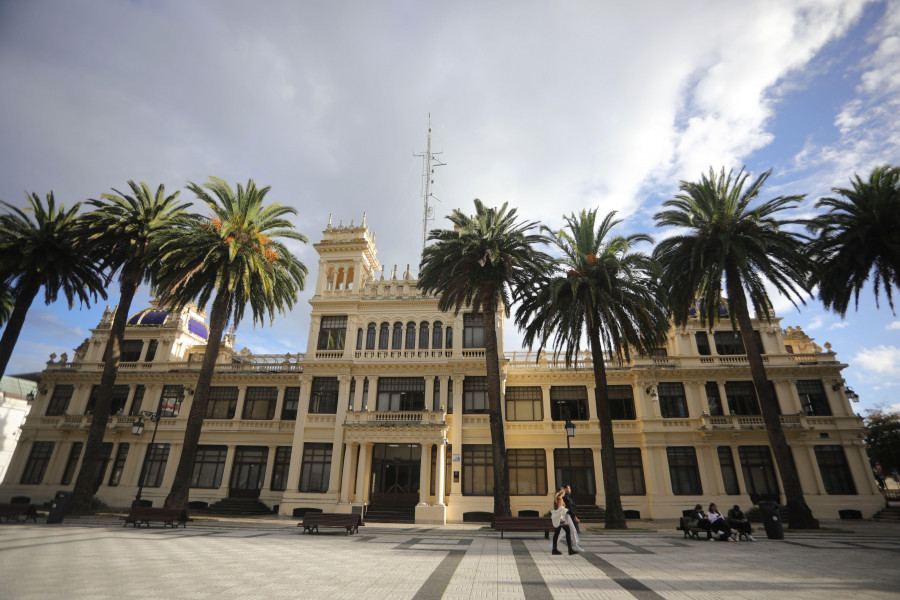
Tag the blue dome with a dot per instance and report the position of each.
(149, 316)
(198, 328)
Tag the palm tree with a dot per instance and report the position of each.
(42, 252)
(723, 240)
(234, 258)
(601, 289)
(857, 237)
(120, 231)
(477, 264)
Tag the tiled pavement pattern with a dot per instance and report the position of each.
(96, 558)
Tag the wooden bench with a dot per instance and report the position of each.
(524, 524)
(312, 521)
(19, 512)
(172, 517)
(689, 532)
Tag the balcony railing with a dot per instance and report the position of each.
(365, 418)
(757, 422)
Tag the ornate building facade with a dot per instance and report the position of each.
(388, 408)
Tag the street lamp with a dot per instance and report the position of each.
(137, 428)
(570, 433)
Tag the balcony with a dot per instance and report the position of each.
(395, 418)
(748, 422)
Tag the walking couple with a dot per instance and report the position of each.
(564, 518)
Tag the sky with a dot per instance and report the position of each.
(550, 106)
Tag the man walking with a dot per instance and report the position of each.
(570, 504)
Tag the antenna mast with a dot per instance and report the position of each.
(429, 162)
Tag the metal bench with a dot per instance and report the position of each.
(349, 521)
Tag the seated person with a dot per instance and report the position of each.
(699, 519)
(738, 521)
(718, 524)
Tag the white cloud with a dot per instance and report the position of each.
(883, 360)
(839, 325)
(893, 326)
(817, 322)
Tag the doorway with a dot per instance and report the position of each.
(395, 474)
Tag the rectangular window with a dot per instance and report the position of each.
(581, 477)
(672, 402)
(813, 398)
(477, 470)
(527, 472)
(119, 466)
(524, 403)
(400, 394)
(621, 402)
(37, 463)
(316, 467)
(106, 449)
(248, 471)
(630, 470)
(280, 468)
(729, 342)
(568, 401)
(759, 472)
(475, 397)
(729, 473)
(323, 396)
(137, 401)
(450, 396)
(332, 333)
(155, 465)
(172, 397)
(741, 397)
(151, 351)
(222, 402)
(683, 470)
(120, 397)
(209, 465)
(291, 404)
(713, 399)
(259, 403)
(473, 331)
(835, 471)
(702, 343)
(59, 401)
(71, 463)
(131, 351)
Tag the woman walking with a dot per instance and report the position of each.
(561, 520)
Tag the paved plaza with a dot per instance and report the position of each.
(94, 558)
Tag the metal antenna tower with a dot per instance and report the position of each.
(429, 163)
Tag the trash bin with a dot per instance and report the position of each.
(771, 519)
(59, 506)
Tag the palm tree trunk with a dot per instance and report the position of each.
(24, 298)
(801, 516)
(89, 477)
(498, 440)
(615, 515)
(179, 495)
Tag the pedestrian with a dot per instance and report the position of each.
(570, 504)
(561, 521)
(718, 523)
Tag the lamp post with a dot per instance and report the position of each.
(138, 428)
(570, 433)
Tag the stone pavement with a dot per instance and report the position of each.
(94, 558)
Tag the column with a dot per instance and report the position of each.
(696, 399)
(334, 478)
(425, 474)
(814, 468)
(442, 403)
(440, 474)
(293, 483)
(239, 407)
(279, 403)
(552, 484)
(456, 439)
(270, 465)
(860, 470)
(592, 403)
(429, 392)
(545, 398)
(710, 474)
(598, 475)
(171, 465)
(793, 405)
(358, 393)
(723, 397)
(372, 397)
(348, 471)
(362, 472)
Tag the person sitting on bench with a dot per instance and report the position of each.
(700, 520)
(718, 524)
(738, 521)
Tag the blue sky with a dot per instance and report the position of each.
(552, 107)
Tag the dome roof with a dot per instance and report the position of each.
(149, 316)
(198, 328)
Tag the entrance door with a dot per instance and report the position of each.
(395, 473)
(584, 489)
(248, 471)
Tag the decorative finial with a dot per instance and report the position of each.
(329, 220)
(351, 223)
(364, 219)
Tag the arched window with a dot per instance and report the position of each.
(370, 337)
(449, 338)
(397, 339)
(423, 335)
(383, 341)
(437, 338)
(410, 336)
